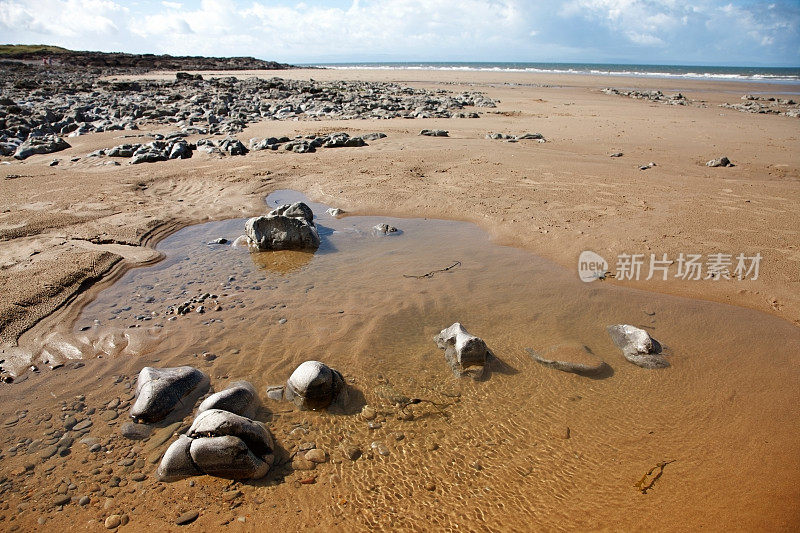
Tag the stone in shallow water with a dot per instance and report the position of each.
(575, 358)
(177, 462)
(239, 398)
(465, 353)
(637, 346)
(133, 431)
(288, 227)
(160, 390)
(314, 385)
(228, 457)
(215, 422)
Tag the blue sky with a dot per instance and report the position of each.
(707, 32)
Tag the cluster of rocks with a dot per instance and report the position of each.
(223, 440)
(538, 137)
(766, 105)
(68, 101)
(434, 133)
(310, 143)
(150, 152)
(654, 96)
(38, 142)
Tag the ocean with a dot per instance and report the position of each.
(759, 74)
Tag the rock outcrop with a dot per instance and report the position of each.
(289, 227)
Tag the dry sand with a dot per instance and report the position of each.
(66, 226)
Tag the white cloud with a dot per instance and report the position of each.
(63, 18)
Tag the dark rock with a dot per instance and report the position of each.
(434, 133)
(187, 518)
(287, 227)
(239, 398)
(575, 358)
(160, 390)
(45, 144)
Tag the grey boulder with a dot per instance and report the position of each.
(228, 457)
(314, 385)
(219, 423)
(160, 390)
(637, 346)
(239, 398)
(177, 462)
(465, 353)
(287, 227)
(40, 144)
(434, 133)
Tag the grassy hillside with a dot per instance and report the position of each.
(9, 49)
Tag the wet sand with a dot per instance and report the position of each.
(725, 411)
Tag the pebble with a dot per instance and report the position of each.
(108, 416)
(84, 500)
(316, 456)
(374, 424)
(113, 521)
(139, 476)
(187, 518)
(61, 500)
(48, 452)
(70, 422)
(85, 424)
(134, 431)
(351, 452)
(230, 495)
(380, 448)
(368, 413)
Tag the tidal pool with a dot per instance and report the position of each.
(526, 448)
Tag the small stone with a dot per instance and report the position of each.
(108, 416)
(380, 448)
(430, 486)
(48, 452)
(113, 521)
(61, 500)
(70, 422)
(84, 500)
(187, 518)
(139, 476)
(374, 424)
(133, 431)
(368, 413)
(316, 456)
(230, 495)
(84, 424)
(351, 452)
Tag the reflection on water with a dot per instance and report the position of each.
(528, 448)
(281, 262)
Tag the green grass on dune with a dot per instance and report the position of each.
(10, 49)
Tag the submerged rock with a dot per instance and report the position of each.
(637, 346)
(384, 229)
(160, 390)
(465, 353)
(575, 358)
(239, 398)
(314, 385)
(287, 227)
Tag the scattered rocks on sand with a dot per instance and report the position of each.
(334, 212)
(637, 346)
(239, 398)
(435, 133)
(575, 358)
(286, 227)
(653, 96)
(766, 105)
(70, 100)
(314, 385)
(227, 146)
(161, 151)
(647, 166)
(720, 162)
(465, 353)
(160, 390)
(616, 154)
(40, 144)
(516, 138)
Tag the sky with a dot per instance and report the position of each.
(697, 32)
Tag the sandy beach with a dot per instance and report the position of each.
(69, 232)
